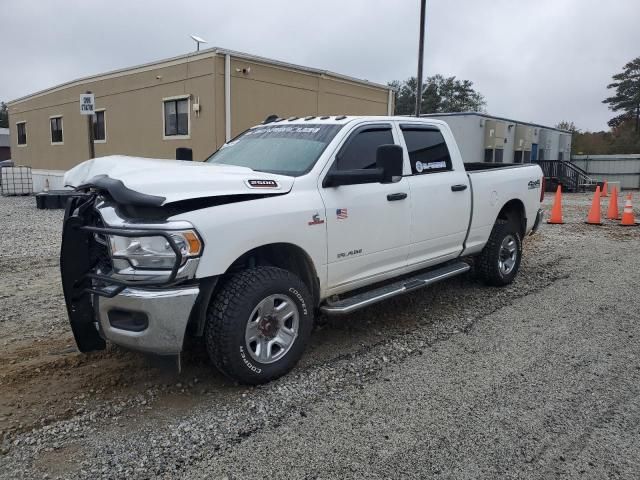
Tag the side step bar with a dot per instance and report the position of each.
(361, 300)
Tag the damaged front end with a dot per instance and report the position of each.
(128, 282)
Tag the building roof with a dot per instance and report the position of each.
(491, 117)
(4, 137)
(209, 52)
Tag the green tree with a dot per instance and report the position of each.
(569, 126)
(439, 95)
(620, 139)
(4, 115)
(627, 97)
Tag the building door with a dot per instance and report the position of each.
(534, 152)
(367, 224)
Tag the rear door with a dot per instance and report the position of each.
(440, 196)
(368, 224)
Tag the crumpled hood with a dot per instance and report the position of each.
(176, 180)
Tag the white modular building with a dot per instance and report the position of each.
(484, 138)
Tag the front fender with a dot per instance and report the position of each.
(231, 230)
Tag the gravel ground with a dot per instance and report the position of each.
(536, 380)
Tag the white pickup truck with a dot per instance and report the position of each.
(291, 218)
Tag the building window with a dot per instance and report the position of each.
(56, 130)
(176, 117)
(22, 133)
(428, 152)
(360, 150)
(99, 129)
(517, 156)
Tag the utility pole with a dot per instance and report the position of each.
(423, 6)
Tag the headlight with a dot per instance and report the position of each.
(155, 252)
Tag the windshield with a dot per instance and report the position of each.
(284, 149)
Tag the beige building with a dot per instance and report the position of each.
(198, 100)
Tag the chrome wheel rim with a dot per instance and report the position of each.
(272, 328)
(508, 255)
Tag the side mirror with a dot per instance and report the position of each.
(389, 159)
(183, 153)
(353, 177)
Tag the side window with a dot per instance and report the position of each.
(428, 152)
(21, 128)
(56, 130)
(360, 150)
(99, 130)
(176, 117)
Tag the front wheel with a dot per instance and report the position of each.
(258, 324)
(499, 262)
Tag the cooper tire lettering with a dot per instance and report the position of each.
(249, 365)
(299, 297)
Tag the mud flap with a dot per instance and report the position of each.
(74, 264)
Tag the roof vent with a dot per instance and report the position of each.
(341, 117)
(310, 117)
(270, 119)
(291, 119)
(325, 117)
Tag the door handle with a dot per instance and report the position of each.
(458, 188)
(392, 197)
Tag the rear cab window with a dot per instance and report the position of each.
(359, 150)
(427, 148)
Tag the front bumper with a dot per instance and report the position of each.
(149, 311)
(149, 320)
(536, 224)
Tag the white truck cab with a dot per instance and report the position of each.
(291, 218)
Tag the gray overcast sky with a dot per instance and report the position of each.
(534, 60)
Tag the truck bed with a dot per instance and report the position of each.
(480, 166)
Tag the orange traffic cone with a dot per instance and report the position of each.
(556, 210)
(628, 220)
(614, 211)
(605, 193)
(594, 214)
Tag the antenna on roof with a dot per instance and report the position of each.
(198, 41)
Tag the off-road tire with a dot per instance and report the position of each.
(229, 312)
(487, 263)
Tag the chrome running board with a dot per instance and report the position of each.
(400, 287)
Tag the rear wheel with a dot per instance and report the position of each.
(258, 324)
(499, 262)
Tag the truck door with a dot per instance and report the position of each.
(367, 224)
(440, 197)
